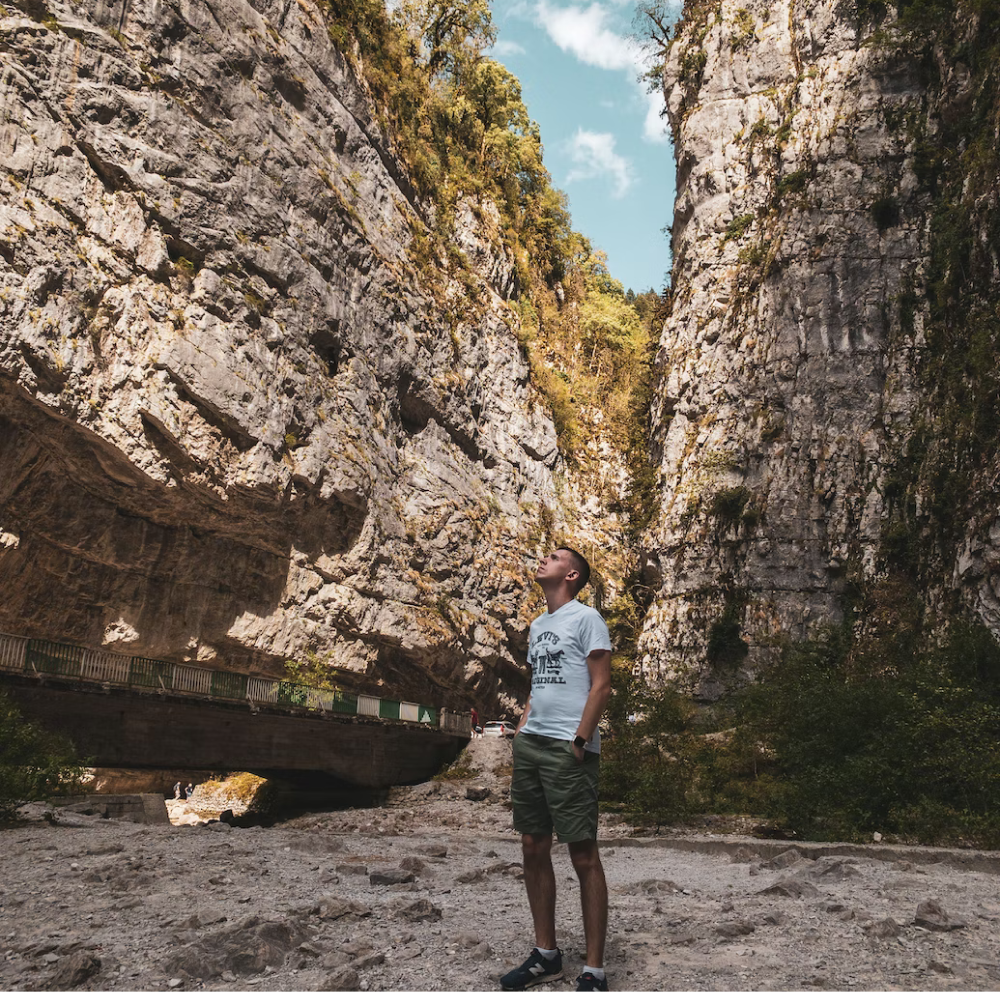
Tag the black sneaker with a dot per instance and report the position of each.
(589, 982)
(534, 971)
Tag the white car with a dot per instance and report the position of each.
(499, 728)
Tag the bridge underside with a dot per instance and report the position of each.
(121, 728)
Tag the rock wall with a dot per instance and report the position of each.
(794, 365)
(240, 419)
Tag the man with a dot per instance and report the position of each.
(556, 758)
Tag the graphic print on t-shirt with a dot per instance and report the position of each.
(546, 660)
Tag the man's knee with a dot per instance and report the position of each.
(535, 846)
(585, 855)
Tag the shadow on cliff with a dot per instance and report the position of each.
(90, 539)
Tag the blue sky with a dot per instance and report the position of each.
(605, 143)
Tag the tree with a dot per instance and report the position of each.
(655, 18)
(454, 33)
(34, 763)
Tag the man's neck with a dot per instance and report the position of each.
(554, 598)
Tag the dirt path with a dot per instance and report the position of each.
(425, 893)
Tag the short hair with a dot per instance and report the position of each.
(582, 566)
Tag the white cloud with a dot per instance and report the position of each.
(594, 157)
(586, 33)
(505, 48)
(654, 127)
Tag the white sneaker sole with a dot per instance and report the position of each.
(541, 980)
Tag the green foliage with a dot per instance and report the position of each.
(783, 133)
(738, 226)
(453, 33)
(312, 671)
(34, 763)
(596, 351)
(458, 117)
(647, 766)
(859, 741)
(727, 505)
(754, 255)
(609, 326)
(794, 182)
(693, 64)
(744, 28)
(459, 770)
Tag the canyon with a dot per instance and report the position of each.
(242, 420)
(822, 451)
(251, 412)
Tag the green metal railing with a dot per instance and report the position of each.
(42, 657)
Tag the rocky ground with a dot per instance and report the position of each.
(426, 893)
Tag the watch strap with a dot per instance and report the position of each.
(579, 741)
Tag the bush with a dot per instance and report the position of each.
(794, 182)
(459, 770)
(34, 763)
(738, 226)
(862, 742)
(647, 766)
(727, 505)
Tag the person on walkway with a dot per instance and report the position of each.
(556, 757)
(177, 790)
(189, 791)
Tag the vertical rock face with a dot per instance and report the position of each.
(239, 421)
(792, 363)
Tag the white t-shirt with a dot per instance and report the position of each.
(558, 646)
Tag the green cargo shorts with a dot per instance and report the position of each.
(551, 790)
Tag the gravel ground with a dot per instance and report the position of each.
(426, 893)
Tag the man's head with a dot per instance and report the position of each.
(564, 565)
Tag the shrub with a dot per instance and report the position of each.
(459, 770)
(727, 505)
(693, 65)
(794, 182)
(34, 763)
(753, 255)
(647, 766)
(864, 741)
(738, 226)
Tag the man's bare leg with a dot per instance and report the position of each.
(593, 897)
(540, 883)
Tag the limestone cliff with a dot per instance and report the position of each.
(242, 418)
(826, 442)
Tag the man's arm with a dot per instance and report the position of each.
(524, 716)
(599, 665)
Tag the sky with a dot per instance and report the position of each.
(606, 144)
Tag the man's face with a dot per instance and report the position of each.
(554, 567)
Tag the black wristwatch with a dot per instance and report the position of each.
(579, 741)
